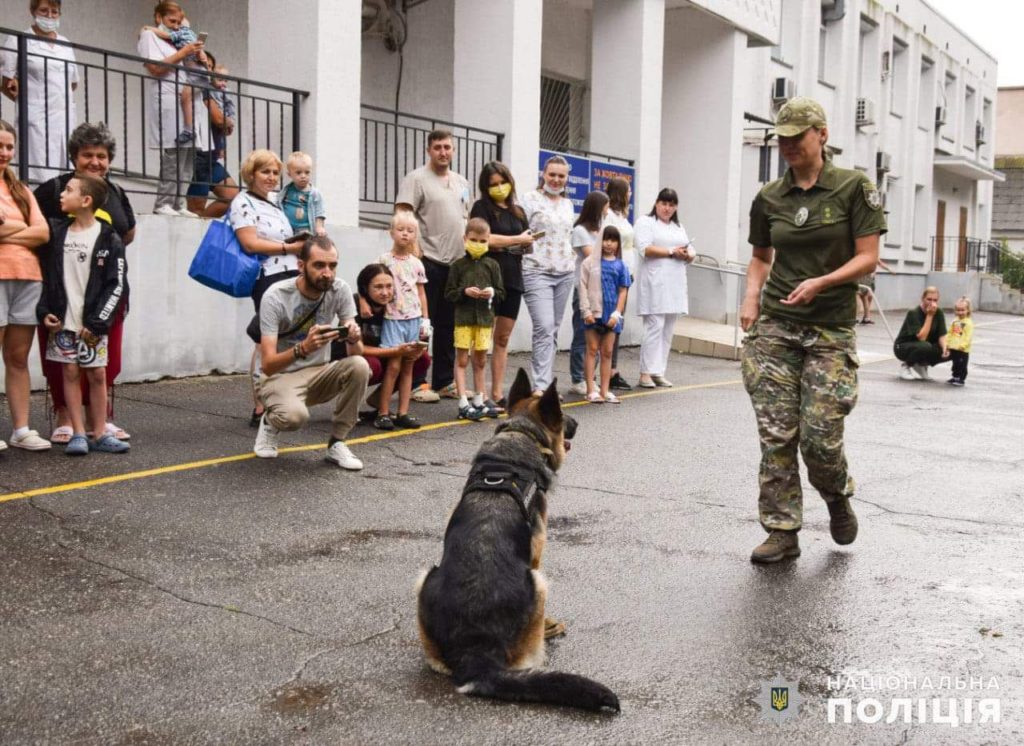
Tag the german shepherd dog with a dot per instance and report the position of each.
(481, 611)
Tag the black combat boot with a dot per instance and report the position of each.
(843, 523)
(778, 546)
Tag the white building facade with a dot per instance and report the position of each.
(682, 89)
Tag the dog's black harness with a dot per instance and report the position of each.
(493, 475)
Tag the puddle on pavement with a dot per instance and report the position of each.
(566, 529)
(301, 699)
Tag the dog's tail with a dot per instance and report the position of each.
(481, 677)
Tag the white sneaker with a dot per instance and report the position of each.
(907, 373)
(30, 441)
(922, 372)
(166, 210)
(580, 389)
(3, 446)
(266, 440)
(186, 213)
(342, 456)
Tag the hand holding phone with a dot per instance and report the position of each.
(300, 236)
(201, 37)
(539, 234)
(341, 330)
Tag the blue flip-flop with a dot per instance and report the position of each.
(78, 445)
(107, 443)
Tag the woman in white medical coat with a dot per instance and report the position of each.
(50, 81)
(663, 251)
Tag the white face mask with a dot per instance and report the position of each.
(47, 24)
(552, 191)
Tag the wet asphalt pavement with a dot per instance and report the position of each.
(257, 601)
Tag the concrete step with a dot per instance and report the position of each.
(712, 339)
(706, 338)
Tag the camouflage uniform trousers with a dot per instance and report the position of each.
(802, 382)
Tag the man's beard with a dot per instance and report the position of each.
(322, 284)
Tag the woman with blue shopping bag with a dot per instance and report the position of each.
(263, 230)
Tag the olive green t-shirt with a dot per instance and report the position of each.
(813, 234)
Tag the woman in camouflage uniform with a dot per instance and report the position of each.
(821, 226)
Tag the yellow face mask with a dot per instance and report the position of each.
(476, 249)
(500, 192)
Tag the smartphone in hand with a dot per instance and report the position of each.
(341, 330)
(300, 236)
(201, 37)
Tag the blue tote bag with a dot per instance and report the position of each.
(221, 264)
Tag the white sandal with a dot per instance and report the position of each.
(595, 398)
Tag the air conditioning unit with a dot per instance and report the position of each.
(979, 133)
(940, 116)
(783, 89)
(883, 161)
(865, 112)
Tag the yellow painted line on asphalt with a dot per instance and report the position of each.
(205, 463)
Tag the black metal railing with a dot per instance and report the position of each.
(394, 143)
(112, 88)
(955, 254)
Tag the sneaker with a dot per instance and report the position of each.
(907, 373)
(490, 409)
(647, 384)
(407, 422)
(842, 522)
(469, 412)
(107, 443)
(186, 213)
(186, 135)
(78, 445)
(266, 440)
(778, 546)
(661, 382)
(30, 441)
(579, 388)
(3, 446)
(425, 395)
(448, 392)
(922, 372)
(166, 210)
(957, 382)
(342, 456)
(619, 383)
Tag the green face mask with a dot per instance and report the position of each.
(500, 192)
(476, 249)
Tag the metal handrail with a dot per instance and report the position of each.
(146, 61)
(739, 300)
(433, 120)
(119, 98)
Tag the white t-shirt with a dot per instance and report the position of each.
(582, 237)
(163, 100)
(250, 211)
(552, 254)
(78, 248)
(284, 306)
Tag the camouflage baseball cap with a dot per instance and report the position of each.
(797, 115)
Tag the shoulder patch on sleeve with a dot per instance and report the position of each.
(871, 195)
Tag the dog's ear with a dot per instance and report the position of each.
(521, 389)
(550, 408)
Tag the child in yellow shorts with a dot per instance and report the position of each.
(474, 282)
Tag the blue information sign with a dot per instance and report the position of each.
(590, 174)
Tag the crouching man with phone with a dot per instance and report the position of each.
(299, 318)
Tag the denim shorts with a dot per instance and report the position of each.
(397, 332)
(208, 171)
(18, 301)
